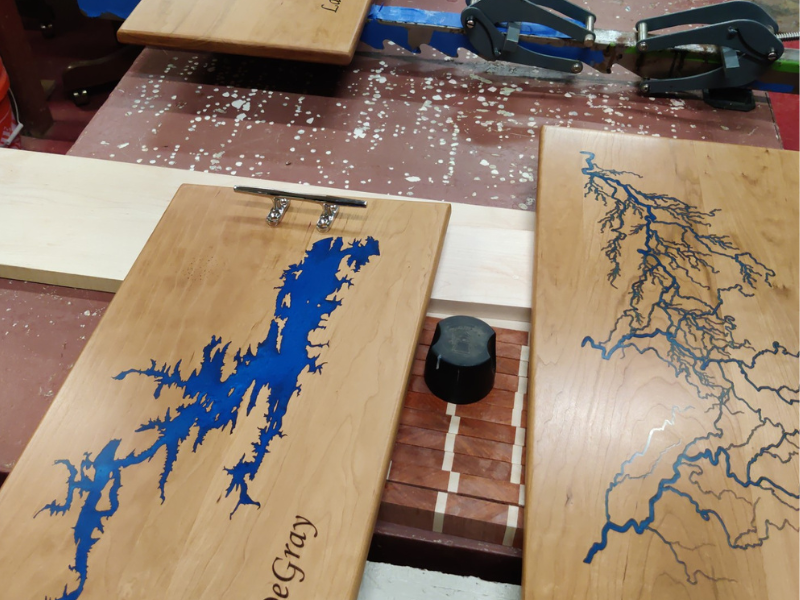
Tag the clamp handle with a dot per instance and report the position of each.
(710, 15)
(743, 31)
(482, 17)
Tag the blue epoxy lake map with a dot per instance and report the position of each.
(309, 293)
(737, 476)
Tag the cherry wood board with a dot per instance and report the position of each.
(227, 430)
(325, 31)
(663, 462)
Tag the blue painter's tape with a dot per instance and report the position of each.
(375, 34)
(394, 19)
(399, 15)
(99, 8)
(783, 88)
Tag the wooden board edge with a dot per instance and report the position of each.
(357, 37)
(444, 211)
(60, 278)
(554, 130)
(177, 42)
(527, 527)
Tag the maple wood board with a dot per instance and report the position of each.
(663, 462)
(227, 430)
(86, 222)
(325, 31)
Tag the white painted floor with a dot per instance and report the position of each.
(389, 582)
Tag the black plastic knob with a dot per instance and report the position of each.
(462, 360)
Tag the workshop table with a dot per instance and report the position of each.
(459, 130)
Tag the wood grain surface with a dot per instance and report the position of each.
(84, 225)
(664, 370)
(324, 31)
(227, 430)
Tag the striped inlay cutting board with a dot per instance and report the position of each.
(459, 470)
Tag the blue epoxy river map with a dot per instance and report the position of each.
(309, 294)
(739, 474)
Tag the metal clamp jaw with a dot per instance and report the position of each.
(482, 18)
(744, 33)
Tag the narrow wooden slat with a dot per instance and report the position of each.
(481, 467)
(663, 460)
(473, 486)
(452, 514)
(466, 426)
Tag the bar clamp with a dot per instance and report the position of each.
(743, 32)
(493, 27)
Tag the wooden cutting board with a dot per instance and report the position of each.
(227, 430)
(325, 31)
(664, 457)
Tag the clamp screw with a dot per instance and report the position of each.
(732, 32)
(497, 52)
(641, 46)
(645, 87)
(772, 55)
(577, 67)
(470, 23)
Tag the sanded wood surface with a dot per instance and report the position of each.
(324, 31)
(227, 430)
(664, 369)
(86, 222)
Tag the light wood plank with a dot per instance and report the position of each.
(82, 222)
(664, 460)
(324, 31)
(279, 363)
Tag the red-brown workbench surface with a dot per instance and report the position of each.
(460, 130)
